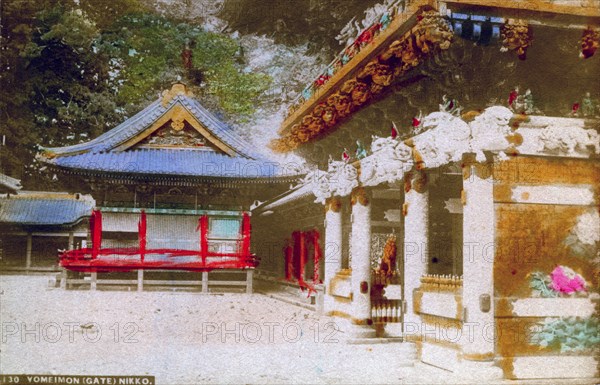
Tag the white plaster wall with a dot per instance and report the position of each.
(555, 195)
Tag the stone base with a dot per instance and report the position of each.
(361, 331)
(479, 370)
(409, 350)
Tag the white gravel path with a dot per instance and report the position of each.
(178, 337)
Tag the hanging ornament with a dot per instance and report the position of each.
(516, 36)
(589, 43)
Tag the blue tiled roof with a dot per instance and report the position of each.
(185, 162)
(103, 154)
(45, 208)
(145, 118)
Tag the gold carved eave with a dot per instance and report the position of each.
(399, 25)
(177, 115)
(409, 39)
(580, 8)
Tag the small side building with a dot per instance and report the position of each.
(34, 225)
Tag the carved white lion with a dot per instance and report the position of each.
(389, 161)
(445, 140)
(490, 129)
(319, 184)
(343, 178)
(570, 140)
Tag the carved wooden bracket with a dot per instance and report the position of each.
(359, 195)
(334, 204)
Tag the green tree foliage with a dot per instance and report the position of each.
(71, 71)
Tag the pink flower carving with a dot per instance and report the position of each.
(565, 280)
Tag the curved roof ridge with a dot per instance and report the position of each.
(144, 119)
(99, 140)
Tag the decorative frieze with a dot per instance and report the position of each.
(448, 138)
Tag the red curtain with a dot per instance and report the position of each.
(204, 237)
(246, 229)
(96, 230)
(317, 255)
(142, 234)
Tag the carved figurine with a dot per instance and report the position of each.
(345, 156)
(303, 134)
(361, 151)
(322, 79)
(516, 37)
(349, 53)
(329, 116)
(417, 123)
(395, 49)
(367, 36)
(341, 103)
(523, 104)
(528, 101)
(575, 109)
(512, 97)
(589, 43)
(326, 113)
(307, 92)
(588, 107)
(450, 106)
(388, 259)
(432, 31)
(395, 132)
(380, 74)
(313, 123)
(348, 34)
(360, 93)
(409, 53)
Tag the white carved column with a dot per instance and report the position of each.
(333, 246)
(416, 247)
(361, 264)
(478, 273)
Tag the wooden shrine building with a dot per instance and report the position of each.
(456, 148)
(173, 187)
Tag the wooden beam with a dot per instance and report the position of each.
(400, 25)
(140, 280)
(589, 8)
(28, 251)
(249, 276)
(94, 281)
(205, 281)
(543, 11)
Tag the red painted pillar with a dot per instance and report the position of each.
(246, 229)
(302, 261)
(142, 234)
(317, 256)
(96, 229)
(204, 238)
